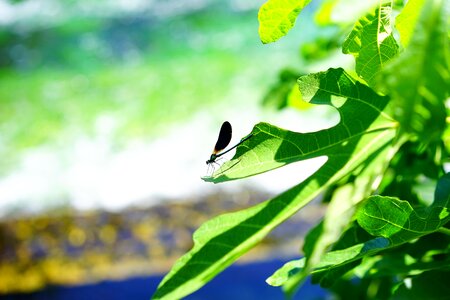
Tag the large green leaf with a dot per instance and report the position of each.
(363, 132)
(270, 147)
(419, 79)
(372, 43)
(277, 17)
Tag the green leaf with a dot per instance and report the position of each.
(277, 17)
(419, 79)
(271, 147)
(372, 43)
(363, 132)
(397, 221)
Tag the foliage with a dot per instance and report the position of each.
(384, 234)
(107, 62)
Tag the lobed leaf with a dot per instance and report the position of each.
(271, 147)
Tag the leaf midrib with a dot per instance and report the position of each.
(298, 157)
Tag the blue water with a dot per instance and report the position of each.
(245, 281)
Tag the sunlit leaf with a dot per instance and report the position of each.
(271, 147)
(396, 219)
(277, 17)
(372, 43)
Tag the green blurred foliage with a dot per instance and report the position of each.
(142, 73)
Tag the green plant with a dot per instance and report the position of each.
(383, 228)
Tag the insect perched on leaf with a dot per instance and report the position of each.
(222, 142)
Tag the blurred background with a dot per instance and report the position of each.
(108, 112)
